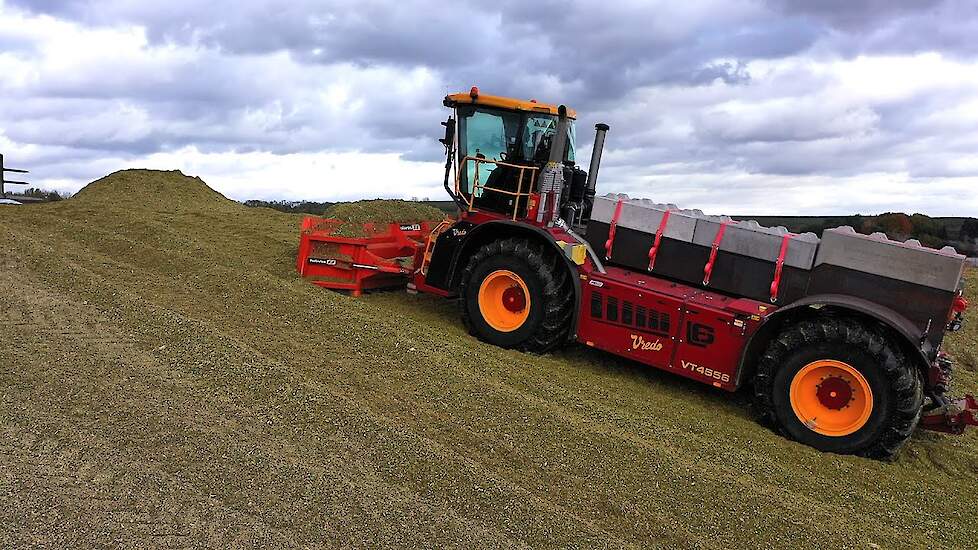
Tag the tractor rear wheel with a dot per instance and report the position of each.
(841, 386)
(515, 293)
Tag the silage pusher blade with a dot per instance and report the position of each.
(379, 256)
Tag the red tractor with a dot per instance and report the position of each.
(838, 337)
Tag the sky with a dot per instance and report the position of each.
(788, 107)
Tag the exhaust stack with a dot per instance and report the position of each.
(600, 130)
(592, 173)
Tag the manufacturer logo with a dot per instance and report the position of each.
(459, 232)
(598, 284)
(638, 342)
(699, 334)
(322, 261)
(411, 227)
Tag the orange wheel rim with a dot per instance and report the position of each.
(504, 300)
(831, 398)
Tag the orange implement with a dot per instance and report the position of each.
(385, 256)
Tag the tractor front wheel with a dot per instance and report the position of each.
(839, 385)
(517, 294)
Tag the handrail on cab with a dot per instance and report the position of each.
(477, 185)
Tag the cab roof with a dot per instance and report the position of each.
(474, 97)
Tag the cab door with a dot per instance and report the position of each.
(488, 135)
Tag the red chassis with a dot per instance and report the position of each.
(693, 332)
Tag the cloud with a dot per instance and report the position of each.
(710, 103)
(856, 16)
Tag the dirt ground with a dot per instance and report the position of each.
(167, 381)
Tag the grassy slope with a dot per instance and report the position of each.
(165, 378)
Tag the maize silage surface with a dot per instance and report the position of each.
(167, 380)
(378, 212)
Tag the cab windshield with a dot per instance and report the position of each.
(506, 136)
(539, 129)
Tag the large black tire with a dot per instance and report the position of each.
(896, 385)
(551, 294)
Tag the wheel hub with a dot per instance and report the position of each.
(834, 392)
(831, 397)
(514, 299)
(504, 300)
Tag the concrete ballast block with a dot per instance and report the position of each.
(879, 255)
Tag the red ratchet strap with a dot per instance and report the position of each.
(658, 238)
(612, 229)
(779, 266)
(708, 270)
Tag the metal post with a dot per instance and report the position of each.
(3, 179)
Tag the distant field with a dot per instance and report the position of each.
(166, 380)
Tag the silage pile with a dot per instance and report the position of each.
(379, 212)
(963, 345)
(156, 189)
(173, 218)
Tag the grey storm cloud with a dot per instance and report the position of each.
(856, 16)
(678, 81)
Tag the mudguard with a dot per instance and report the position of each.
(457, 244)
(911, 336)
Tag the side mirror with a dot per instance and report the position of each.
(449, 138)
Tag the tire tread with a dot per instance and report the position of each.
(558, 295)
(901, 375)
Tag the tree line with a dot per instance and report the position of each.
(961, 233)
(36, 193)
(291, 207)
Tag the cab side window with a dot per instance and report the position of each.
(488, 134)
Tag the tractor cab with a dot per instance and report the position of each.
(501, 152)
